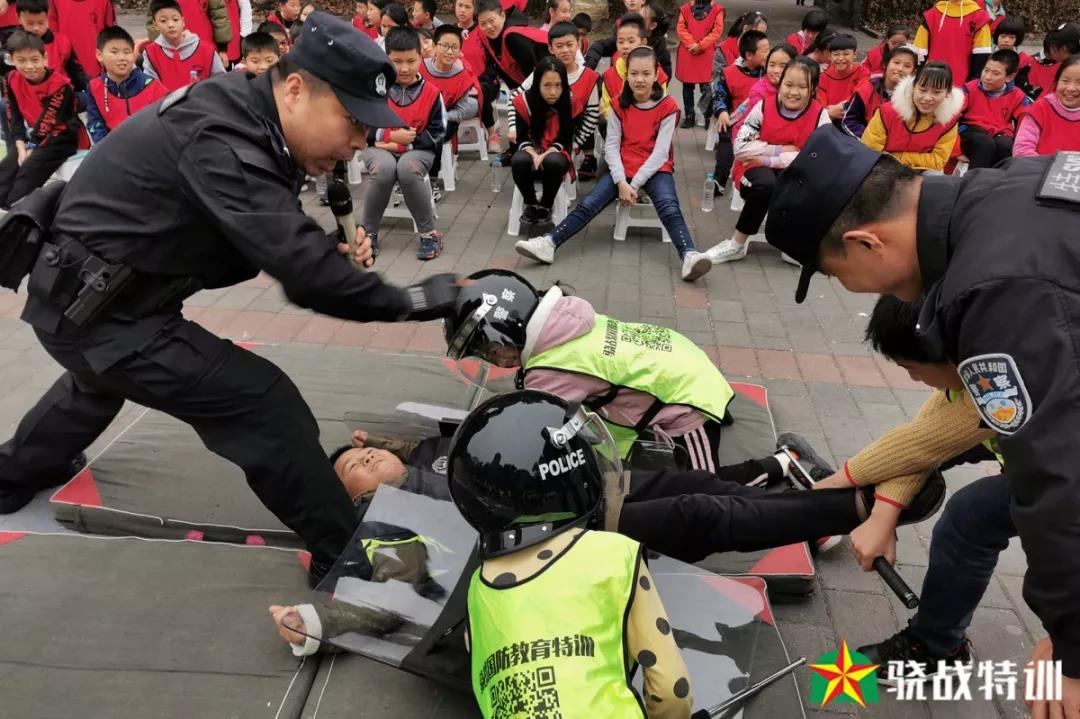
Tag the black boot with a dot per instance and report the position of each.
(15, 498)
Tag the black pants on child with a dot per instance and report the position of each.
(688, 96)
(982, 150)
(18, 181)
(756, 190)
(552, 171)
(725, 158)
(489, 91)
(690, 515)
(436, 164)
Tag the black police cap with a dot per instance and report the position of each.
(812, 192)
(351, 63)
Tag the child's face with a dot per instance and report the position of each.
(308, 9)
(362, 470)
(419, 15)
(385, 23)
(1068, 87)
(551, 88)
(582, 34)
(427, 46)
(641, 75)
(289, 9)
(794, 90)
(929, 99)
(448, 50)
(898, 68)
(465, 13)
(759, 56)
(491, 23)
(627, 39)
(994, 76)
(565, 49)
(374, 15)
(282, 42)
(895, 41)
(499, 354)
(407, 64)
(842, 60)
(170, 23)
(31, 63)
(939, 375)
(634, 5)
(1059, 54)
(775, 67)
(117, 57)
(35, 23)
(259, 61)
(1006, 41)
(361, 10)
(562, 13)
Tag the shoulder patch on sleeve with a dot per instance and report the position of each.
(1061, 183)
(998, 390)
(173, 97)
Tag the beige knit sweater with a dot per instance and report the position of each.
(901, 459)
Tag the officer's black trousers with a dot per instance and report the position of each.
(690, 515)
(243, 407)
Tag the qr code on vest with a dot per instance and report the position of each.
(532, 693)
(648, 336)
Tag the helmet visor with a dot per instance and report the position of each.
(457, 345)
(590, 427)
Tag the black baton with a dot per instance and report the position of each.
(896, 583)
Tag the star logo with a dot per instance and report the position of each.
(984, 383)
(845, 677)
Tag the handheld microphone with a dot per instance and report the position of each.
(341, 205)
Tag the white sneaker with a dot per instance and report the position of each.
(789, 259)
(825, 545)
(727, 251)
(695, 264)
(541, 249)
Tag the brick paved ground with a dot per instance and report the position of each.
(822, 380)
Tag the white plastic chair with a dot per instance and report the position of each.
(448, 168)
(710, 135)
(646, 216)
(559, 209)
(66, 171)
(354, 168)
(481, 139)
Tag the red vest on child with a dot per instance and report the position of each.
(696, 68)
(798, 41)
(369, 30)
(1057, 133)
(417, 112)
(875, 60)
(58, 52)
(551, 129)
(730, 48)
(1043, 76)
(833, 89)
(870, 94)
(472, 52)
(738, 84)
(115, 109)
(581, 90)
(614, 82)
(952, 38)
(516, 4)
(233, 6)
(901, 139)
(453, 88)
(175, 72)
(10, 18)
(197, 20)
(639, 131)
(81, 21)
(31, 98)
(505, 60)
(996, 115)
(779, 130)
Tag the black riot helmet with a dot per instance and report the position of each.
(493, 309)
(527, 465)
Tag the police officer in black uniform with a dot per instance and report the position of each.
(996, 255)
(200, 191)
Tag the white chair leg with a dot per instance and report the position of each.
(710, 135)
(517, 204)
(447, 171)
(622, 221)
(561, 207)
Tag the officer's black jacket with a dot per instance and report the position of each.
(1003, 277)
(205, 187)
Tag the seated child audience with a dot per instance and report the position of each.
(700, 26)
(993, 105)
(918, 125)
(957, 34)
(814, 23)
(768, 141)
(640, 155)
(556, 11)
(819, 50)
(403, 155)
(583, 23)
(423, 14)
(1009, 35)
(630, 35)
(457, 83)
(360, 20)
(280, 35)
(286, 14)
(764, 89)
(59, 52)
(841, 77)
(728, 50)
(393, 15)
(260, 53)
(472, 52)
(1052, 123)
(122, 89)
(206, 19)
(656, 28)
(80, 21)
(1059, 44)
(178, 57)
(731, 91)
(876, 58)
(544, 126)
(900, 62)
(42, 118)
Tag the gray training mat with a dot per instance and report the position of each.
(158, 480)
(130, 628)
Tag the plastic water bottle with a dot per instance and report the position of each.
(496, 173)
(707, 192)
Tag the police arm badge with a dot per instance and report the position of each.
(998, 390)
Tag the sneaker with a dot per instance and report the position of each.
(695, 264)
(543, 215)
(541, 249)
(905, 647)
(374, 236)
(814, 464)
(436, 195)
(727, 251)
(529, 214)
(431, 246)
(687, 121)
(14, 499)
(588, 168)
(494, 142)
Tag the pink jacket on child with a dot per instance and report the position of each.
(559, 319)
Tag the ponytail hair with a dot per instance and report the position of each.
(626, 97)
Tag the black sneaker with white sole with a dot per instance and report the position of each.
(894, 654)
(814, 464)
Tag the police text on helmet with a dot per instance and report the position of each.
(562, 464)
